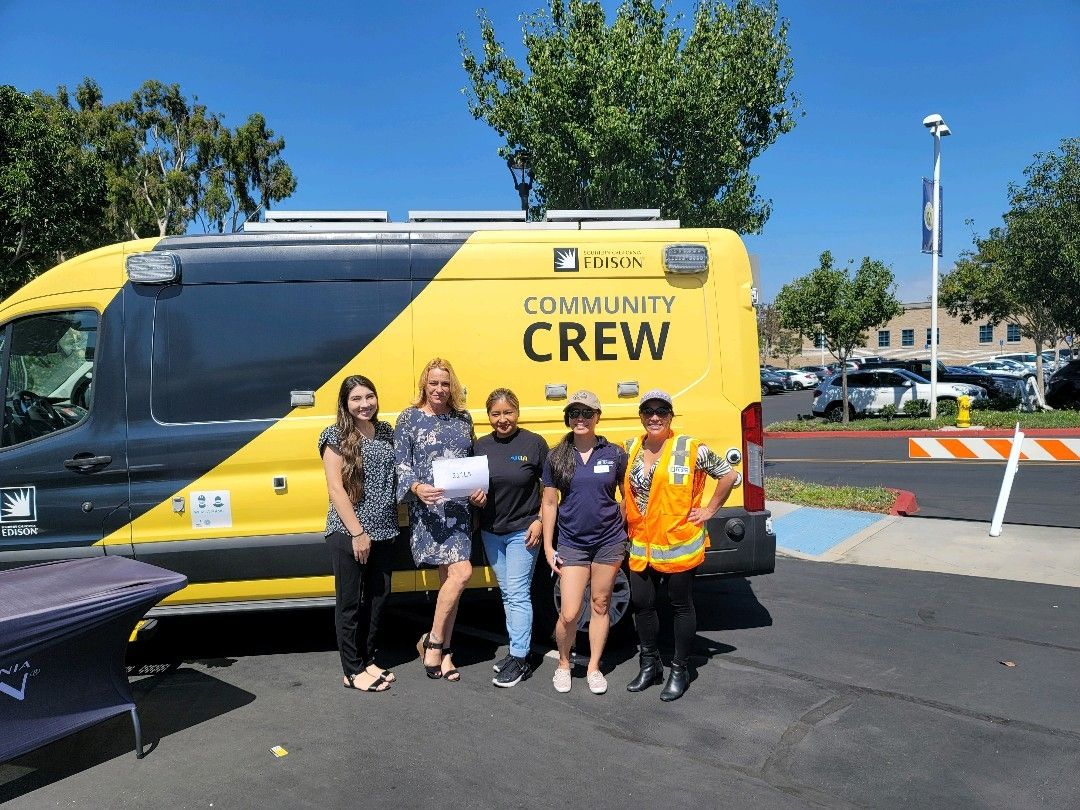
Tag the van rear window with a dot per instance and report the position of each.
(233, 352)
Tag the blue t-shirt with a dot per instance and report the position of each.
(589, 516)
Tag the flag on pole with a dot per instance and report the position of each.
(928, 218)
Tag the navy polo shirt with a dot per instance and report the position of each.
(589, 516)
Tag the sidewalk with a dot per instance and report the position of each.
(1044, 554)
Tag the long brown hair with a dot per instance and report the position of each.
(563, 462)
(349, 437)
(457, 394)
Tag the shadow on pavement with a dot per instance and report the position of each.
(171, 701)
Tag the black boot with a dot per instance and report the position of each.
(677, 682)
(652, 671)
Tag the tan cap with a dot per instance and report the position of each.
(586, 398)
(656, 393)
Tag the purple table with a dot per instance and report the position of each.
(64, 628)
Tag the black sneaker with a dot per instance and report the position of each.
(502, 662)
(516, 670)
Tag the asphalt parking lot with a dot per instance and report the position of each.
(819, 685)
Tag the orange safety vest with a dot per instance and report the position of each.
(664, 537)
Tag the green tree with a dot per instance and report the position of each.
(52, 191)
(640, 112)
(788, 344)
(171, 162)
(829, 301)
(1027, 272)
(768, 321)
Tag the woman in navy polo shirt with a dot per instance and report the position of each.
(580, 477)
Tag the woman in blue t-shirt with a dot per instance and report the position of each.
(361, 525)
(580, 478)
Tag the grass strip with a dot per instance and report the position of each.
(804, 493)
(989, 419)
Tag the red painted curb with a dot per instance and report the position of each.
(904, 504)
(990, 433)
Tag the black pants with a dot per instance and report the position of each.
(643, 587)
(361, 590)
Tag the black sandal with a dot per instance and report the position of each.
(422, 646)
(451, 675)
(372, 687)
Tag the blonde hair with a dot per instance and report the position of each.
(457, 394)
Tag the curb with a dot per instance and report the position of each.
(904, 504)
(990, 433)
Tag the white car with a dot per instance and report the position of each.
(1007, 366)
(870, 391)
(1028, 360)
(799, 379)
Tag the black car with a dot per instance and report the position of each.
(1063, 390)
(772, 383)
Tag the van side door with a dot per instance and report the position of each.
(63, 458)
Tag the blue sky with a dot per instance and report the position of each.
(368, 97)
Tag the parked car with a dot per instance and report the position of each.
(870, 391)
(1063, 390)
(821, 372)
(1027, 359)
(1006, 366)
(1002, 388)
(799, 379)
(773, 383)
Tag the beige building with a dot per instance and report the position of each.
(908, 336)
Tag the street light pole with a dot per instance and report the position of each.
(938, 129)
(517, 163)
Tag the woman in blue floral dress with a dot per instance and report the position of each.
(437, 426)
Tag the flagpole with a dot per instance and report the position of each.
(938, 129)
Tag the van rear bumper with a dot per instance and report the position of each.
(741, 544)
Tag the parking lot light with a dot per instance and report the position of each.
(938, 129)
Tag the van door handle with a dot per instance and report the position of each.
(84, 463)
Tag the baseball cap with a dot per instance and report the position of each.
(586, 398)
(656, 393)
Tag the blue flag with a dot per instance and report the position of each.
(928, 217)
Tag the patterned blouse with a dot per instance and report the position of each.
(441, 534)
(641, 478)
(377, 511)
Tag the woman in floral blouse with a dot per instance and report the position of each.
(437, 426)
(361, 525)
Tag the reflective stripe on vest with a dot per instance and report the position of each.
(672, 553)
(680, 461)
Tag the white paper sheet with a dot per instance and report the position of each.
(460, 477)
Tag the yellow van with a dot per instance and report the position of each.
(163, 397)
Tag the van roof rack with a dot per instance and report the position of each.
(434, 221)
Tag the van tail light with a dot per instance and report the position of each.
(753, 445)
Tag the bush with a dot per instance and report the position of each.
(916, 407)
(888, 412)
(947, 407)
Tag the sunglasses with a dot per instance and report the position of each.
(580, 413)
(662, 412)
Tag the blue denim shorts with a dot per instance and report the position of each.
(604, 554)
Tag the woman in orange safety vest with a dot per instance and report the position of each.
(664, 482)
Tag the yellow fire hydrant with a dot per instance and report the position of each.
(963, 411)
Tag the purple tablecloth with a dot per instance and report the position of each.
(64, 628)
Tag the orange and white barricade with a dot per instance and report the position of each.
(994, 449)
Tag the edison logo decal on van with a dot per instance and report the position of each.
(18, 508)
(566, 260)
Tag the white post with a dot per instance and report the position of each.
(1006, 483)
(934, 279)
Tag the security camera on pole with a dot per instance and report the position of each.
(932, 218)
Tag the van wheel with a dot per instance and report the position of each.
(547, 602)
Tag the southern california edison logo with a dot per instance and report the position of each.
(18, 505)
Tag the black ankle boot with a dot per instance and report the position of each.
(677, 682)
(652, 671)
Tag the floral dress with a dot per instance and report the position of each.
(440, 534)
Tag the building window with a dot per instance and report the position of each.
(986, 333)
(928, 337)
(907, 337)
(1012, 334)
(883, 338)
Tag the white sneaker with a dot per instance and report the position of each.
(561, 680)
(597, 682)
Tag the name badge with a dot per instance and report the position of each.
(602, 467)
(680, 470)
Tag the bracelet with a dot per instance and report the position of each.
(362, 533)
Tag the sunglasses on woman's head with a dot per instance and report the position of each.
(662, 411)
(580, 413)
